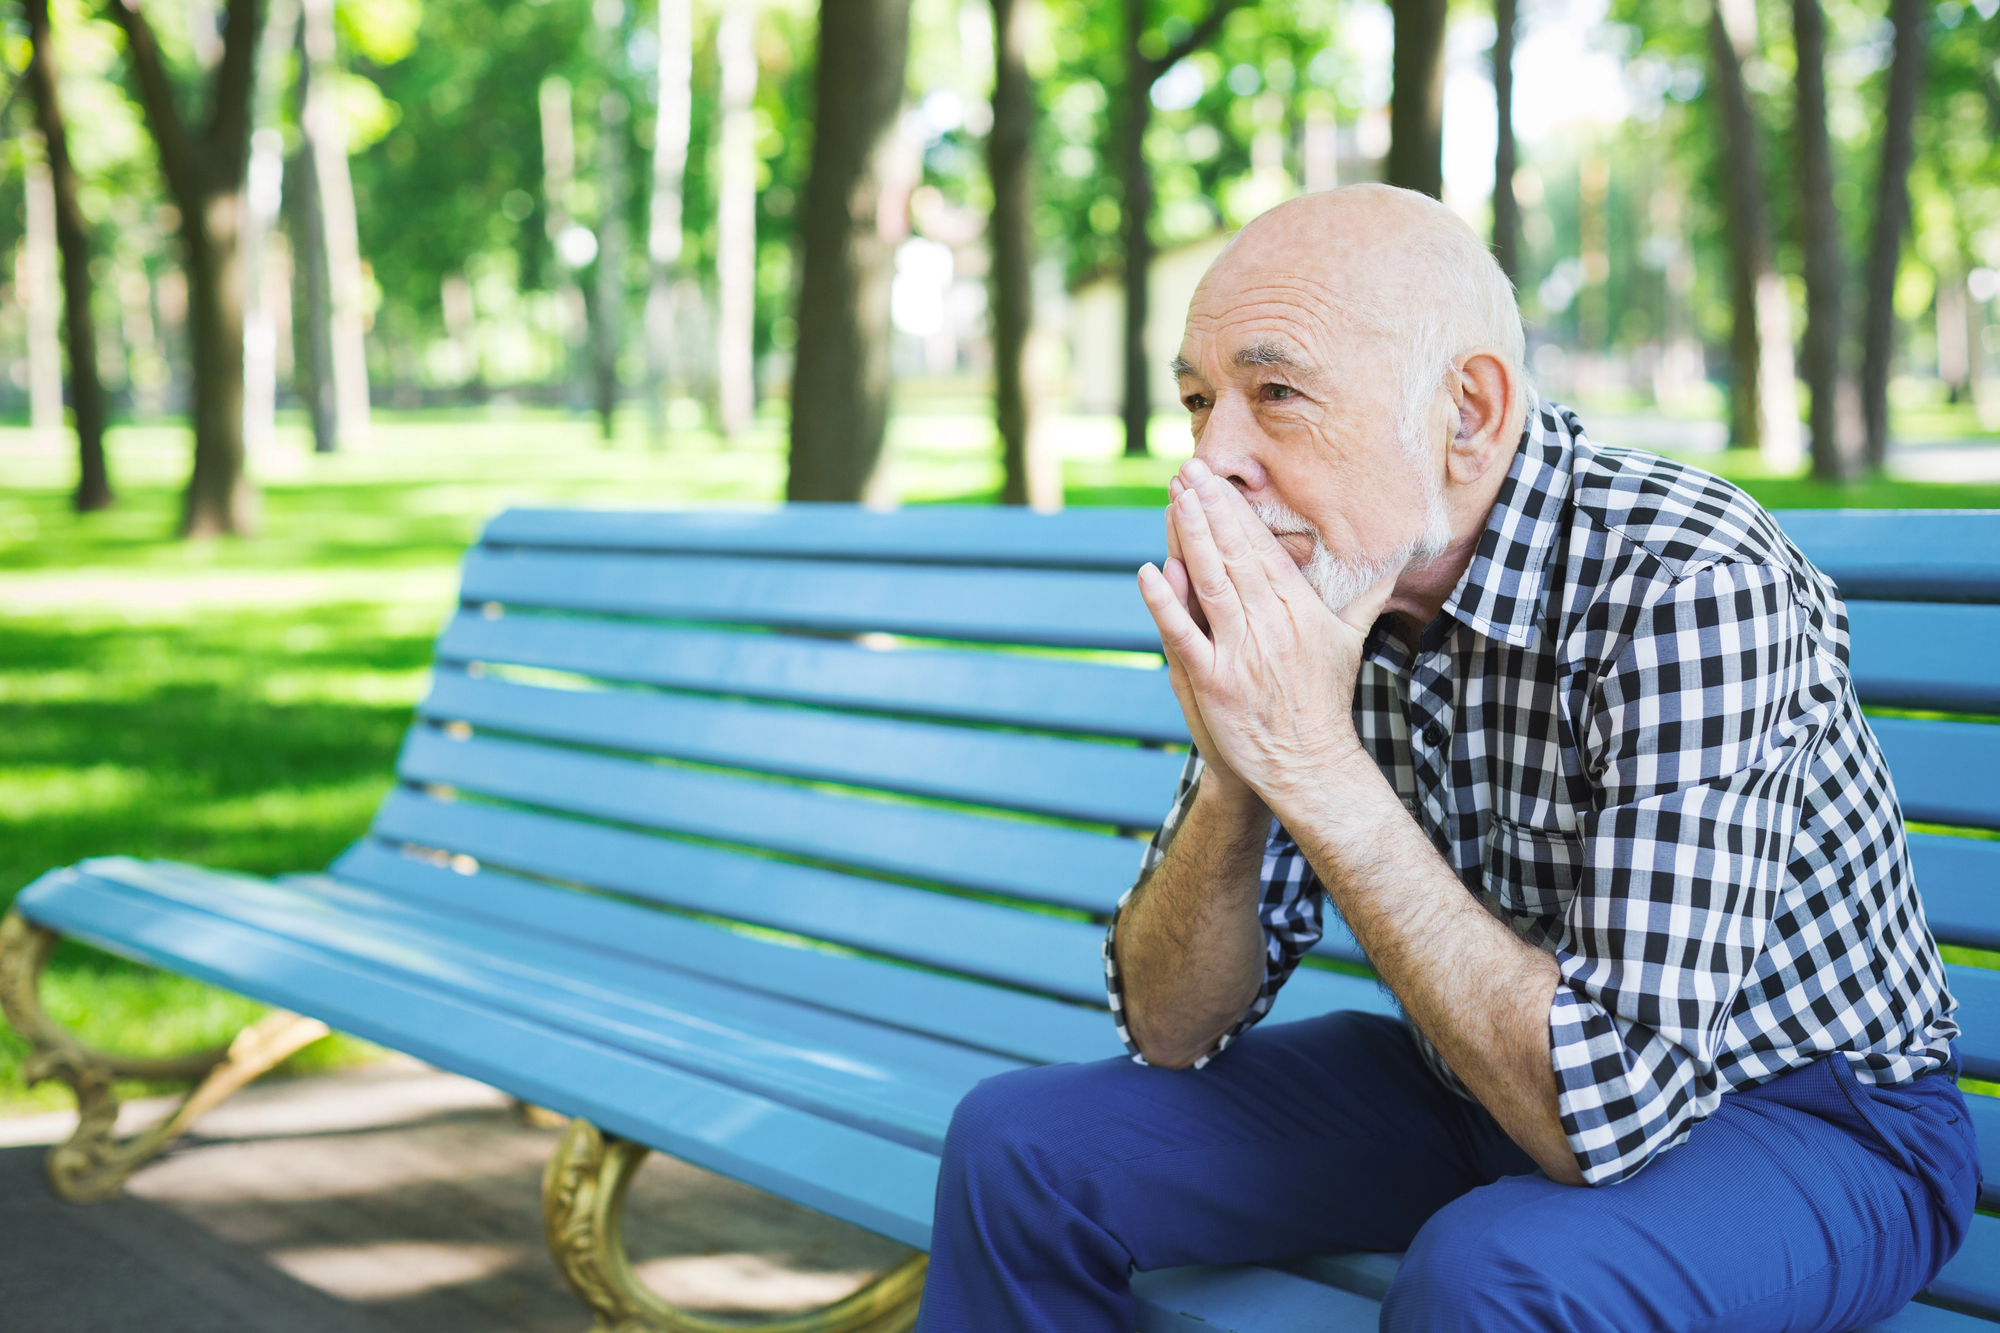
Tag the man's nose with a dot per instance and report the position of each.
(1229, 445)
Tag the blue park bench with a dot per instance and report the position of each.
(757, 839)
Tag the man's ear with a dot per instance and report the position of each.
(1484, 392)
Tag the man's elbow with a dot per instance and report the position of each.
(1562, 1169)
(1170, 1049)
(1170, 1057)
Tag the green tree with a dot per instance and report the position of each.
(93, 487)
(840, 382)
(203, 165)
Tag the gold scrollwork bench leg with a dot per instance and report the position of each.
(583, 1198)
(94, 1163)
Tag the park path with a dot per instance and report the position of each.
(389, 1199)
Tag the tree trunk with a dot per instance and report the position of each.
(263, 193)
(333, 199)
(1506, 209)
(1819, 235)
(1954, 341)
(663, 214)
(840, 386)
(608, 308)
(558, 173)
(204, 170)
(736, 219)
(41, 302)
(1136, 204)
(93, 483)
(1136, 213)
(313, 371)
(1008, 147)
(1416, 97)
(1892, 218)
(1763, 400)
(219, 497)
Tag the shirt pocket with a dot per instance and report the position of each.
(1532, 871)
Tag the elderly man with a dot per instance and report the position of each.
(1566, 734)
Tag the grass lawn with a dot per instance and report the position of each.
(239, 703)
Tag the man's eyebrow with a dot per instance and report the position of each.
(1269, 354)
(1180, 366)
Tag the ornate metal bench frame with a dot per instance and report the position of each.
(583, 1189)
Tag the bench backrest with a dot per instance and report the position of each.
(935, 736)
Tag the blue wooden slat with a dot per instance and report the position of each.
(1107, 539)
(1915, 1318)
(1959, 879)
(1008, 1022)
(1971, 1280)
(1070, 779)
(1053, 607)
(1058, 957)
(1071, 867)
(1314, 991)
(881, 1080)
(1359, 1271)
(1913, 555)
(1926, 655)
(1977, 990)
(1985, 1112)
(870, 1181)
(1945, 772)
(1011, 689)
(1184, 1300)
(1018, 948)
(1247, 1298)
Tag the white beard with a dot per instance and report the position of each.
(1340, 581)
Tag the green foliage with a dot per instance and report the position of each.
(1271, 65)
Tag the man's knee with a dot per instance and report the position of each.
(1477, 1268)
(1008, 1123)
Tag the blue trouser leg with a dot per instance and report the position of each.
(1301, 1138)
(1811, 1204)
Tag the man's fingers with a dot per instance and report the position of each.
(1255, 534)
(1177, 579)
(1179, 635)
(1207, 569)
(1226, 512)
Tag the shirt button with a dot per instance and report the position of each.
(1433, 734)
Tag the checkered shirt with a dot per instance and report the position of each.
(1632, 735)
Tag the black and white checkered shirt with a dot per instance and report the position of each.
(1632, 735)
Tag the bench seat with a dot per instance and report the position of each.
(759, 840)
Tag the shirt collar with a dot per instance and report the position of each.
(1500, 593)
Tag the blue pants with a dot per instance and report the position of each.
(1811, 1203)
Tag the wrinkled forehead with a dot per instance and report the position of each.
(1263, 314)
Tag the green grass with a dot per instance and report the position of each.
(239, 703)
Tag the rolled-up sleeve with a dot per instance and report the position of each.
(1699, 734)
(1288, 910)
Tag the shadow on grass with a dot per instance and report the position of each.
(257, 742)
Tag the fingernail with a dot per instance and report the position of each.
(1189, 501)
(1196, 470)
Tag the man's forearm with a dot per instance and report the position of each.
(1189, 947)
(1480, 993)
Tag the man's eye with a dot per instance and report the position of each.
(1276, 392)
(1195, 402)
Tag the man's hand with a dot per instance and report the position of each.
(1264, 672)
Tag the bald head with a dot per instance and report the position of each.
(1393, 266)
(1352, 363)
